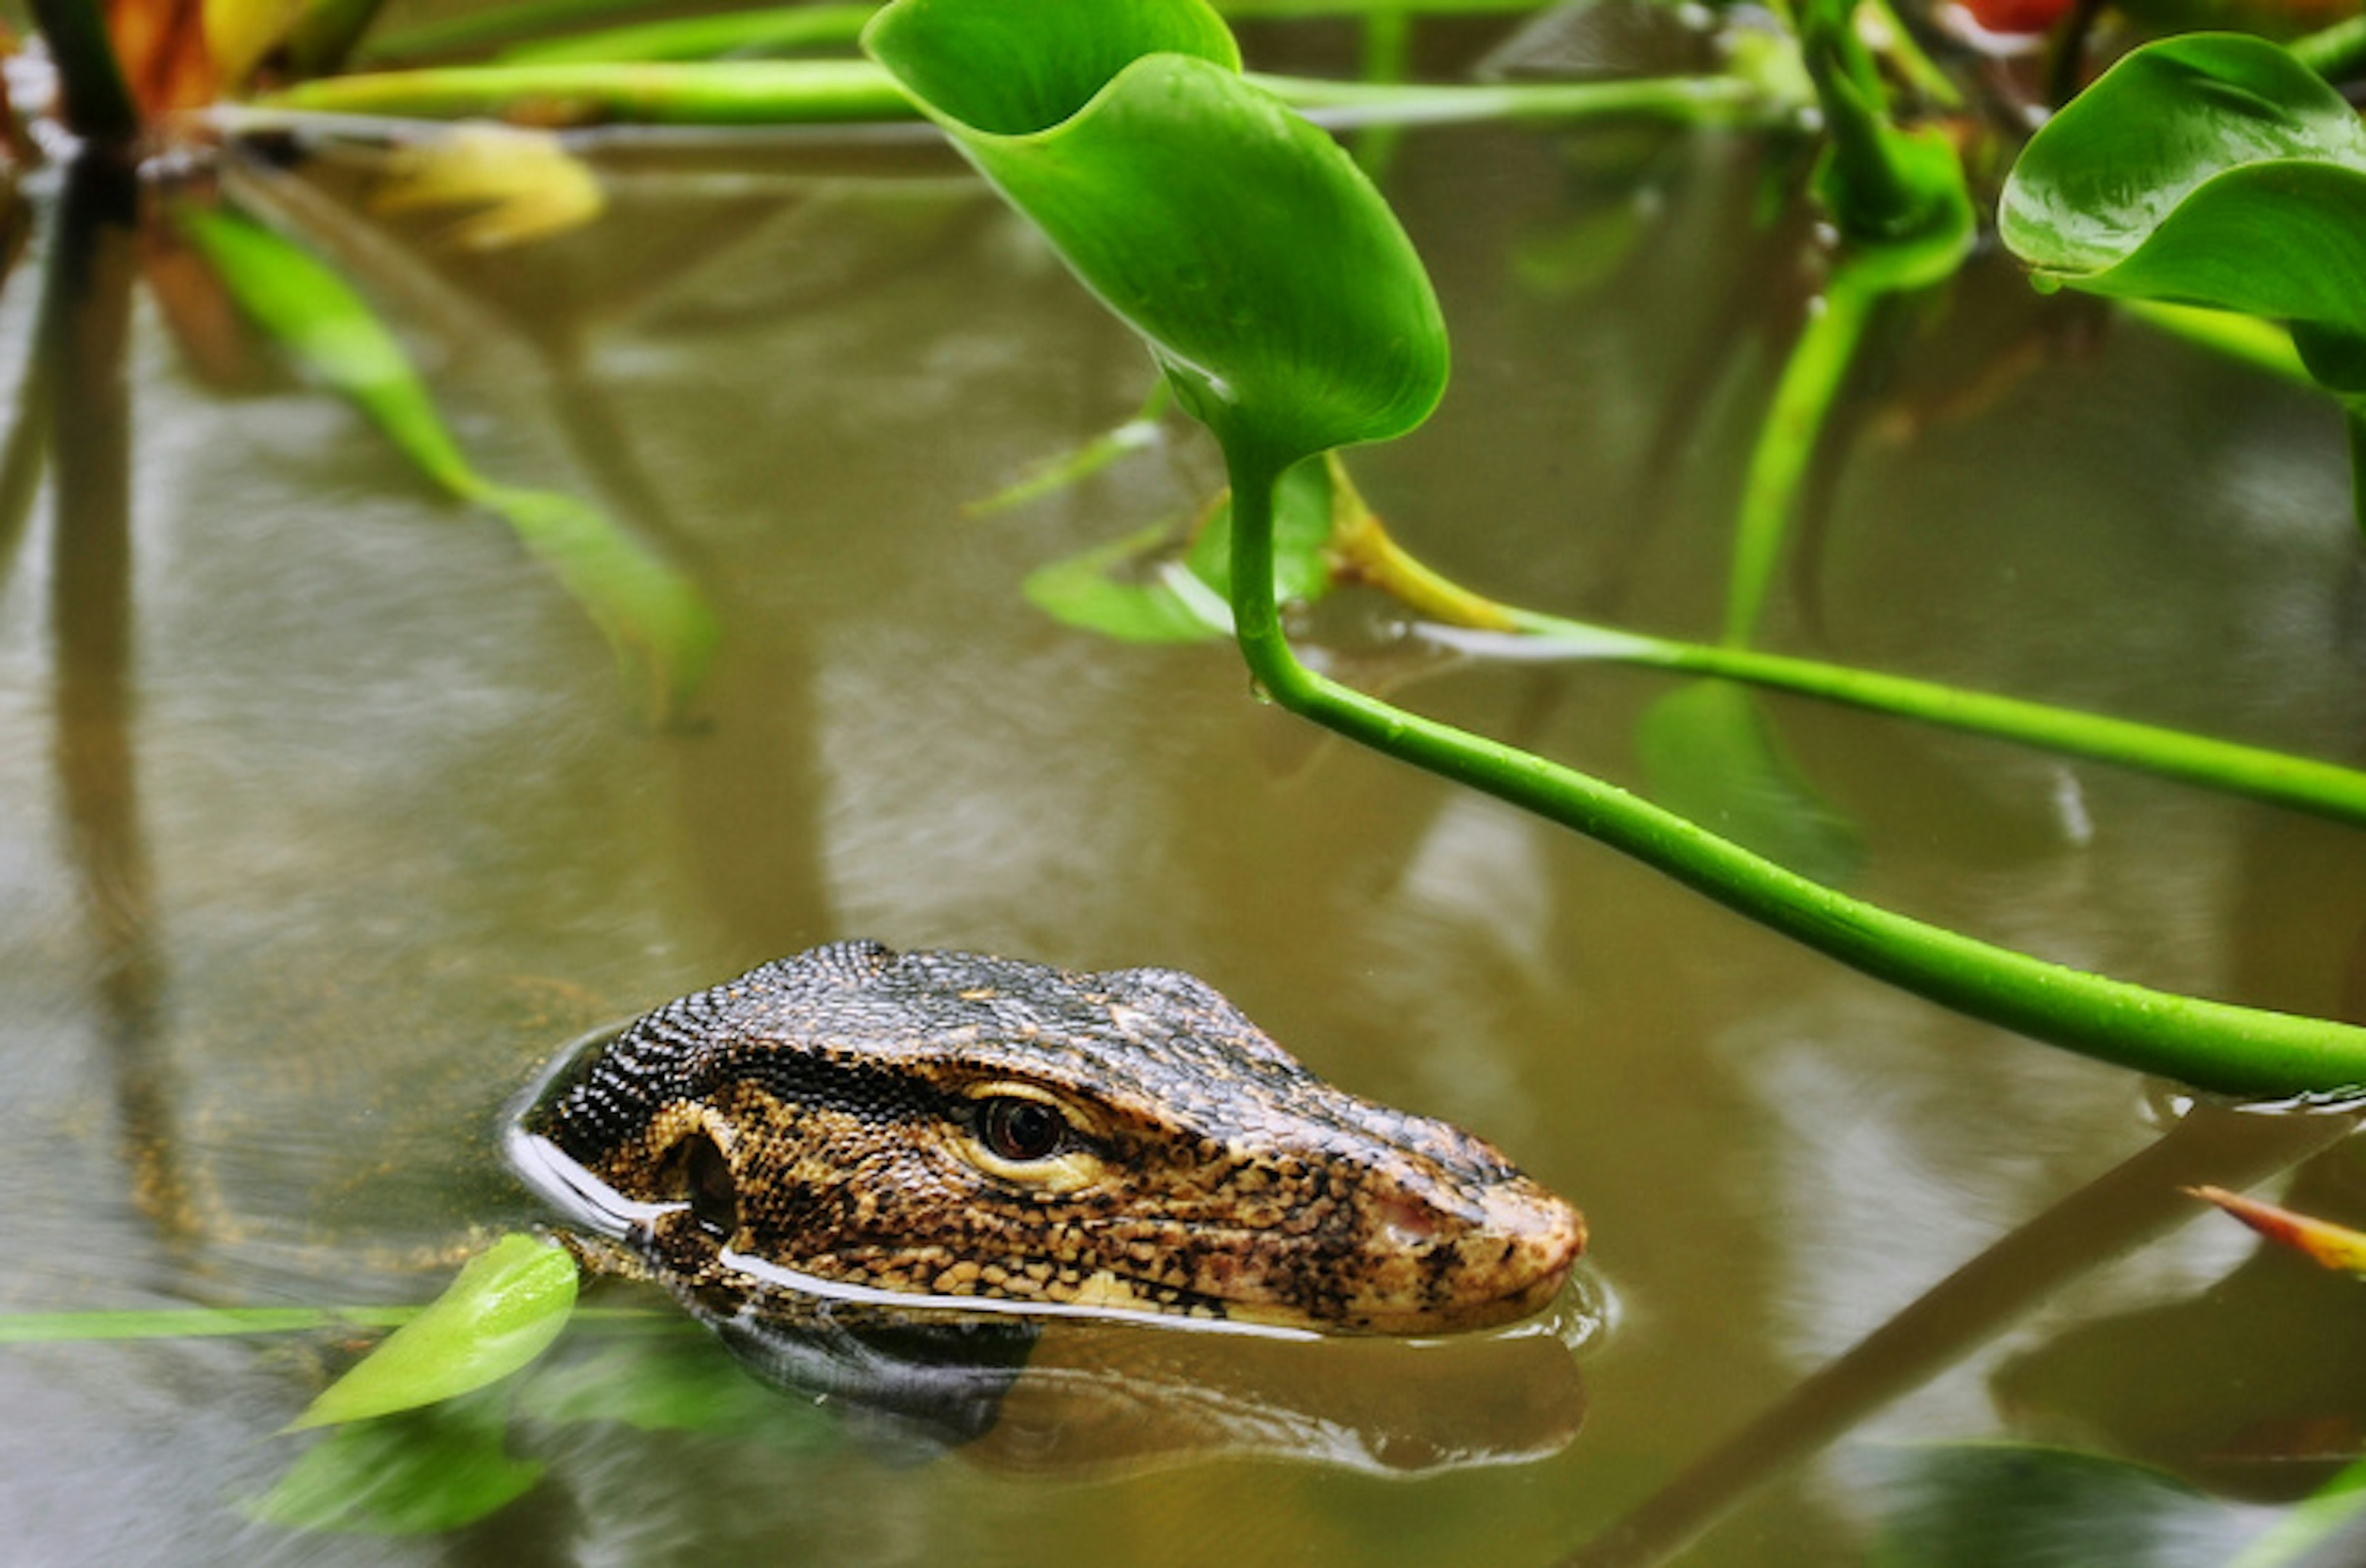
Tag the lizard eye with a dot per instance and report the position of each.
(1020, 1129)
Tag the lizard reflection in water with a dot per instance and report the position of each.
(921, 1146)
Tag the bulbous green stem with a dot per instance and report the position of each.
(2209, 1045)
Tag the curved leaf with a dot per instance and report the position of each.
(1271, 281)
(507, 1305)
(2212, 169)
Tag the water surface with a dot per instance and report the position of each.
(360, 827)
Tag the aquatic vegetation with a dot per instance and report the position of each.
(1291, 318)
(1287, 311)
(2215, 170)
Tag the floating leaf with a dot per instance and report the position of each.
(1113, 590)
(651, 614)
(1123, 590)
(524, 184)
(2335, 1246)
(416, 1473)
(507, 1305)
(1709, 752)
(1271, 281)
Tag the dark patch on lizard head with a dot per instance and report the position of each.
(958, 1125)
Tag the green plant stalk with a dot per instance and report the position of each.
(1386, 60)
(2304, 783)
(99, 106)
(1367, 555)
(1788, 438)
(701, 37)
(485, 29)
(1882, 197)
(2336, 53)
(1696, 101)
(1916, 67)
(750, 91)
(773, 91)
(511, 23)
(2212, 1045)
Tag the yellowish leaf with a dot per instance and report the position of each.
(524, 184)
(2335, 1246)
(241, 32)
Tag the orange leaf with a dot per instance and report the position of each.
(161, 45)
(2335, 1246)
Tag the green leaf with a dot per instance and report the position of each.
(2213, 170)
(652, 616)
(1709, 752)
(507, 1305)
(1111, 590)
(1122, 590)
(1271, 281)
(417, 1474)
(1887, 190)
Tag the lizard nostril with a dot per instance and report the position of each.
(1407, 1223)
(714, 1193)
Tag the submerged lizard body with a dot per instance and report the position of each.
(949, 1129)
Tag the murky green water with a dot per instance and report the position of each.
(376, 829)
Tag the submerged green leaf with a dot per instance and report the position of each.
(1709, 752)
(1982, 1505)
(1271, 281)
(507, 1305)
(651, 614)
(417, 1474)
